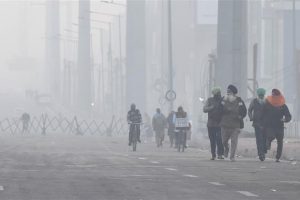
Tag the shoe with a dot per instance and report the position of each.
(277, 160)
(226, 153)
(213, 158)
(220, 157)
(261, 158)
(232, 159)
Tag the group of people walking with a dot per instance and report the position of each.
(175, 122)
(226, 119)
(226, 116)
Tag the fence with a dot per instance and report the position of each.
(45, 125)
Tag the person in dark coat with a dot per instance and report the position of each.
(274, 114)
(171, 127)
(255, 113)
(134, 116)
(233, 113)
(213, 108)
(181, 114)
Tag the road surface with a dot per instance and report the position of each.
(101, 168)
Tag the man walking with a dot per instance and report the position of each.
(255, 114)
(171, 127)
(233, 113)
(275, 113)
(213, 108)
(159, 123)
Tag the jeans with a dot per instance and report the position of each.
(214, 134)
(278, 134)
(261, 142)
(230, 134)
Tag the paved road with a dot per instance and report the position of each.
(98, 168)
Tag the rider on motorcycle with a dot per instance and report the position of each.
(134, 116)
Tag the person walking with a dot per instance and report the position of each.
(25, 118)
(274, 114)
(171, 127)
(182, 125)
(233, 113)
(255, 114)
(159, 123)
(213, 108)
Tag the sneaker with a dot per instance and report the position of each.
(261, 158)
(226, 154)
(213, 158)
(220, 157)
(277, 160)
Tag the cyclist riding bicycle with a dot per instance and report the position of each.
(133, 118)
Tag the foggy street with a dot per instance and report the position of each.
(94, 167)
(82, 82)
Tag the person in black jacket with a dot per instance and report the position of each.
(255, 113)
(275, 113)
(134, 117)
(213, 108)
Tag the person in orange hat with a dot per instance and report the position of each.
(274, 114)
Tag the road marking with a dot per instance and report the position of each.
(141, 158)
(1, 188)
(216, 183)
(171, 169)
(190, 175)
(81, 166)
(248, 194)
(154, 162)
(290, 182)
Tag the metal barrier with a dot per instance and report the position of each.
(45, 124)
(292, 130)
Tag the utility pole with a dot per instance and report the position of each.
(232, 44)
(296, 68)
(84, 98)
(170, 55)
(255, 53)
(52, 72)
(136, 54)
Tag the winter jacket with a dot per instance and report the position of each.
(233, 113)
(171, 124)
(255, 112)
(214, 109)
(134, 116)
(275, 116)
(159, 122)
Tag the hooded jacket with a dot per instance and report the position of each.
(214, 109)
(255, 111)
(275, 112)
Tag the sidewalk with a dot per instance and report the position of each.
(247, 147)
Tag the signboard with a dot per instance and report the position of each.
(181, 123)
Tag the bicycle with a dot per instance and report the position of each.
(134, 135)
